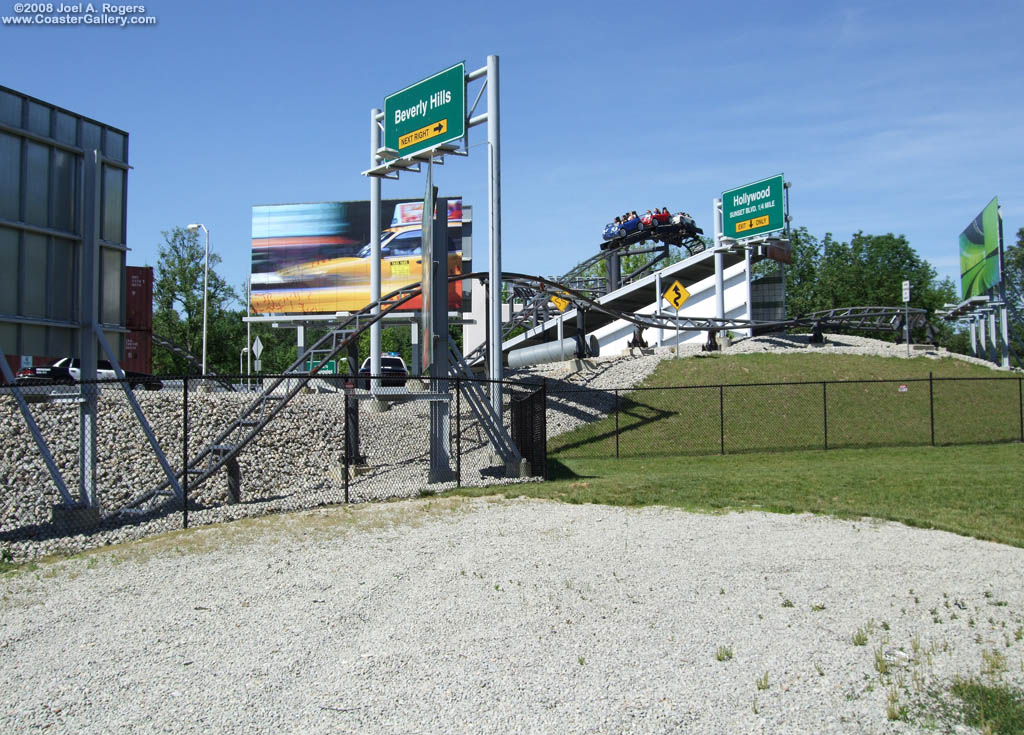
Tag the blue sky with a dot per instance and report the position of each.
(904, 117)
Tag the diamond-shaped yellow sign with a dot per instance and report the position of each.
(559, 302)
(676, 295)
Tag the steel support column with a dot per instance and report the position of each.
(375, 328)
(435, 267)
(750, 301)
(494, 217)
(657, 287)
(719, 262)
(993, 347)
(88, 326)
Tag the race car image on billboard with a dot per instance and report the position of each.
(315, 258)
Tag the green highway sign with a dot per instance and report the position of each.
(428, 113)
(331, 368)
(754, 209)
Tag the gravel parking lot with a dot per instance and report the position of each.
(495, 616)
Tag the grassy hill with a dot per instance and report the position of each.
(669, 442)
(713, 369)
(778, 401)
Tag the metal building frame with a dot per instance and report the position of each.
(89, 161)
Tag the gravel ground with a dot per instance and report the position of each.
(494, 616)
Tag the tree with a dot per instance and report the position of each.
(178, 306)
(801, 273)
(867, 271)
(1013, 278)
(1013, 270)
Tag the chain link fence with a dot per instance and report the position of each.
(284, 443)
(767, 417)
(250, 446)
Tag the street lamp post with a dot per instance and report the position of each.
(206, 279)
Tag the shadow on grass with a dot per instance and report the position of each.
(558, 471)
(633, 415)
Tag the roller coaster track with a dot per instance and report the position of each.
(537, 306)
(230, 442)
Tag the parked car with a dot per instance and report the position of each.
(393, 371)
(67, 370)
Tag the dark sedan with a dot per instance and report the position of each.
(393, 371)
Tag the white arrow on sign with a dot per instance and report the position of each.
(257, 348)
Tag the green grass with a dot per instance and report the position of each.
(970, 489)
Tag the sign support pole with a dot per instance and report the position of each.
(993, 348)
(750, 291)
(906, 319)
(719, 262)
(677, 334)
(435, 269)
(657, 286)
(248, 333)
(1004, 325)
(375, 328)
(494, 215)
(906, 313)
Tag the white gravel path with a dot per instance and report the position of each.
(497, 616)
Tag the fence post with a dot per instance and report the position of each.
(721, 415)
(544, 388)
(184, 452)
(345, 443)
(824, 409)
(1020, 404)
(616, 423)
(931, 405)
(458, 431)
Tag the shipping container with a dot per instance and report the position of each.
(139, 298)
(14, 362)
(138, 351)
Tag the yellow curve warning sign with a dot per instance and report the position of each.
(676, 295)
(559, 302)
(428, 131)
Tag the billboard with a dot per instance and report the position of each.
(315, 258)
(980, 255)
